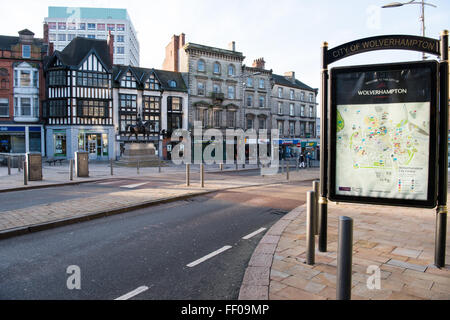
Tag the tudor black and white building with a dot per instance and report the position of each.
(78, 108)
(157, 97)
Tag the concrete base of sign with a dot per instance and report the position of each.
(82, 164)
(145, 153)
(34, 167)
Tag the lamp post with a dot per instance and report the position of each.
(422, 16)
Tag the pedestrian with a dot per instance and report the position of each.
(302, 160)
(308, 159)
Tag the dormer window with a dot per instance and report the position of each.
(128, 81)
(152, 83)
(26, 51)
(172, 84)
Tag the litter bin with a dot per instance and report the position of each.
(34, 163)
(82, 164)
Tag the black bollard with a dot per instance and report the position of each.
(344, 259)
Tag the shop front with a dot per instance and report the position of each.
(21, 139)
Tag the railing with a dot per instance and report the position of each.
(16, 159)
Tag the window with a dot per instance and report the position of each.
(25, 78)
(4, 107)
(151, 112)
(71, 36)
(249, 123)
(302, 110)
(174, 104)
(302, 96)
(91, 36)
(291, 94)
(280, 92)
(152, 83)
(280, 108)
(311, 129)
(57, 78)
(91, 26)
(120, 50)
(120, 27)
(302, 129)
(217, 118)
(82, 26)
(101, 27)
(111, 27)
(61, 37)
(262, 123)
(311, 97)
(261, 83)
(172, 84)
(250, 100)
(25, 107)
(262, 101)
(35, 79)
(57, 108)
(61, 26)
(291, 109)
(26, 51)
(280, 127)
(291, 128)
(250, 82)
(200, 89)
(52, 36)
(71, 26)
(230, 92)
(120, 39)
(52, 25)
(216, 88)
(92, 79)
(216, 69)
(92, 108)
(311, 111)
(128, 81)
(201, 66)
(202, 116)
(128, 103)
(231, 119)
(231, 70)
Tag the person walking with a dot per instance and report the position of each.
(302, 160)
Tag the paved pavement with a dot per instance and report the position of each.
(124, 192)
(398, 241)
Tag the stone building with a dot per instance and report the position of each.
(215, 82)
(22, 90)
(257, 91)
(294, 113)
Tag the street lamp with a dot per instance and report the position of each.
(422, 17)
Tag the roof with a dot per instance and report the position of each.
(196, 46)
(77, 50)
(283, 81)
(142, 74)
(88, 13)
(26, 32)
(7, 41)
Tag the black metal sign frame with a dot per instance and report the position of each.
(432, 68)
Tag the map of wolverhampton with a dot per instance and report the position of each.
(382, 150)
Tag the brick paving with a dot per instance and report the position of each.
(399, 241)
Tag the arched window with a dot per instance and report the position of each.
(172, 84)
(201, 66)
(216, 67)
(231, 70)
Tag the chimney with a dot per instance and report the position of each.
(259, 63)
(232, 46)
(111, 47)
(182, 40)
(51, 48)
(290, 75)
(45, 33)
(172, 58)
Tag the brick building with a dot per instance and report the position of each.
(22, 90)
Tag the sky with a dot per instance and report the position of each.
(287, 33)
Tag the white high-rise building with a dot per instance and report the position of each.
(66, 23)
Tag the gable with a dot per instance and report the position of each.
(92, 63)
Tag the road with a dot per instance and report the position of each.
(161, 249)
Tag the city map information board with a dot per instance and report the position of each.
(383, 131)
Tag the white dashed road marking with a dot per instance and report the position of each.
(209, 256)
(132, 186)
(133, 293)
(253, 233)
